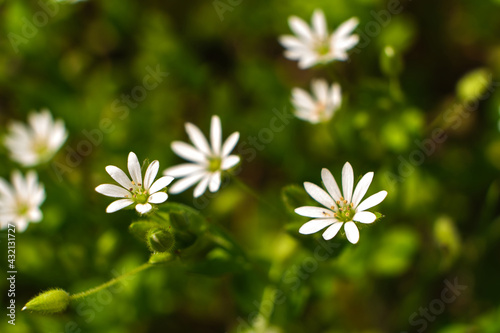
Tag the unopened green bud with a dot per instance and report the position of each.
(51, 301)
(160, 240)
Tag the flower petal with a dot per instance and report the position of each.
(229, 144)
(229, 162)
(332, 230)
(160, 184)
(118, 204)
(347, 181)
(119, 176)
(143, 208)
(319, 24)
(372, 201)
(113, 191)
(351, 232)
(364, 217)
(300, 28)
(361, 188)
(330, 184)
(134, 168)
(185, 183)
(318, 194)
(320, 89)
(151, 173)
(158, 198)
(188, 152)
(214, 183)
(216, 135)
(315, 225)
(183, 170)
(201, 187)
(310, 211)
(197, 138)
(346, 27)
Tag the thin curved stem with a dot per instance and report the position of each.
(108, 284)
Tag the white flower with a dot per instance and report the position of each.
(207, 161)
(319, 107)
(314, 45)
(135, 191)
(20, 203)
(340, 210)
(37, 143)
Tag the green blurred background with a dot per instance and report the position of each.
(442, 217)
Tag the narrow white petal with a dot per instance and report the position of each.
(119, 176)
(315, 225)
(158, 198)
(201, 187)
(229, 162)
(364, 217)
(291, 42)
(185, 183)
(351, 232)
(183, 170)
(216, 135)
(361, 188)
(319, 23)
(134, 168)
(320, 90)
(335, 95)
(310, 211)
(188, 152)
(143, 208)
(302, 99)
(113, 191)
(151, 173)
(230, 143)
(347, 181)
(330, 184)
(160, 184)
(344, 43)
(197, 138)
(318, 194)
(308, 60)
(372, 201)
(300, 28)
(347, 27)
(214, 183)
(332, 230)
(118, 204)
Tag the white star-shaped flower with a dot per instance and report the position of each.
(142, 194)
(37, 143)
(340, 210)
(321, 105)
(20, 203)
(315, 45)
(206, 161)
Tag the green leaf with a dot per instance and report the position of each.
(161, 258)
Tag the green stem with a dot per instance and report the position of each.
(110, 282)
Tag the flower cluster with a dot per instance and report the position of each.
(311, 46)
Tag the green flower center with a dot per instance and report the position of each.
(323, 48)
(139, 194)
(214, 164)
(345, 211)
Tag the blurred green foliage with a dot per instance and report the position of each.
(442, 218)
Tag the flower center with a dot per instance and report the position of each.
(214, 164)
(139, 194)
(323, 47)
(345, 211)
(22, 209)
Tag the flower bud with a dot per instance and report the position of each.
(51, 301)
(160, 240)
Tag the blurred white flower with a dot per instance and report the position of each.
(36, 143)
(340, 210)
(315, 45)
(20, 203)
(321, 105)
(137, 192)
(206, 161)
